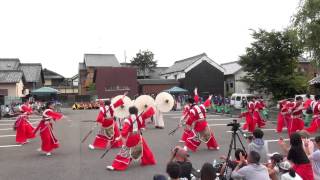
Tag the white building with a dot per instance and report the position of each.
(232, 79)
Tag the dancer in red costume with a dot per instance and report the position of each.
(24, 129)
(283, 115)
(256, 113)
(187, 132)
(135, 146)
(315, 123)
(49, 141)
(250, 123)
(197, 123)
(109, 130)
(295, 122)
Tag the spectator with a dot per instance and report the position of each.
(208, 172)
(287, 173)
(258, 145)
(305, 139)
(273, 167)
(315, 158)
(159, 177)
(180, 156)
(232, 164)
(173, 170)
(298, 157)
(253, 171)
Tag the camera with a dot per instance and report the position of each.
(235, 125)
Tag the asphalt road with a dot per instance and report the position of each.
(74, 161)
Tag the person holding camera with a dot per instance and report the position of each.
(253, 171)
(180, 156)
(231, 164)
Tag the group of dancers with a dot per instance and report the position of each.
(130, 140)
(291, 114)
(25, 131)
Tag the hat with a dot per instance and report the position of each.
(285, 165)
(277, 157)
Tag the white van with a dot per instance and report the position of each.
(236, 99)
(304, 96)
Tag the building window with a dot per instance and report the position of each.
(175, 77)
(231, 85)
(166, 77)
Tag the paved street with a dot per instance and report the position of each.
(74, 160)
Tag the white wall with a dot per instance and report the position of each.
(14, 89)
(240, 87)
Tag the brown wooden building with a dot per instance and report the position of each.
(112, 81)
(155, 86)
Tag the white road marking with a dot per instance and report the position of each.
(179, 116)
(6, 129)
(225, 119)
(13, 124)
(15, 120)
(11, 135)
(7, 146)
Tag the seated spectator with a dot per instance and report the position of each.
(180, 156)
(232, 164)
(273, 167)
(258, 145)
(287, 173)
(174, 170)
(315, 158)
(253, 171)
(298, 157)
(207, 172)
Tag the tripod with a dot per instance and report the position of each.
(233, 143)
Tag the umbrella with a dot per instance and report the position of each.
(45, 91)
(176, 89)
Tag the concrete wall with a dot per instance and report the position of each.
(14, 89)
(240, 86)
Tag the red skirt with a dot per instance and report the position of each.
(123, 159)
(101, 141)
(24, 131)
(314, 125)
(49, 141)
(294, 125)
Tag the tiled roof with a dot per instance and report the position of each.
(32, 71)
(183, 64)
(231, 67)
(48, 74)
(101, 60)
(157, 81)
(10, 76)
(9, 63)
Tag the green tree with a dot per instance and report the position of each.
(271, 63)
(307, 23)
(144, 61)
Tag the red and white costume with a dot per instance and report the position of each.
(49, 141)
(250, 124)
(295, 122)
(24, 129)
(200, 129)
(109, 130)
(315, 124)
(135, 146)
(256, 114)
(283, 115)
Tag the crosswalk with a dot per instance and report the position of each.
(7, 134)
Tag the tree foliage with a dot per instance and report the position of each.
(307, 23)
(144, 61)
(271, 63)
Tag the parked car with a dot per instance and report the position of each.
(236, 99)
